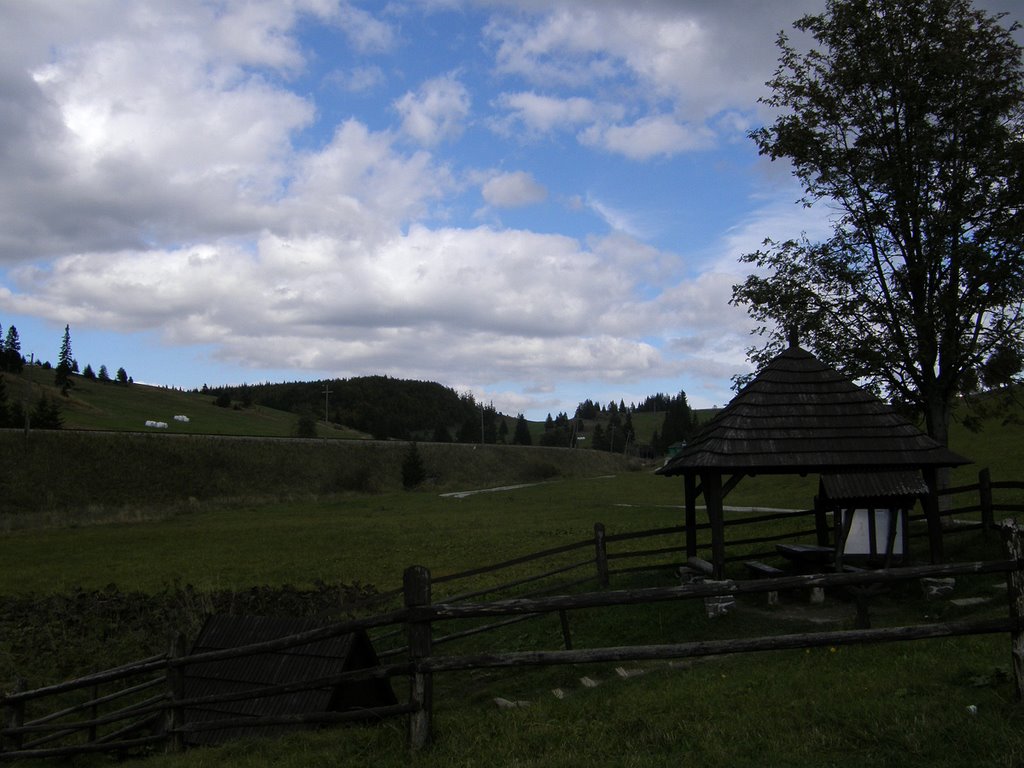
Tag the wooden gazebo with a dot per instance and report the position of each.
(799, 416)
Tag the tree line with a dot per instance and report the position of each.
(45, 412)
(402, 409)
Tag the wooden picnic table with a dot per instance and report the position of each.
(807, 554)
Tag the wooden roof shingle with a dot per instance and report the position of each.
(312, 661)
(798, 415)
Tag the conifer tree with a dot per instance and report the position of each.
(64, 363)
(522, 433)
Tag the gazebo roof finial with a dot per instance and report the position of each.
(793, 335)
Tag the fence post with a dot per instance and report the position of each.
(94, 711)
(16, 716)
(690, 496)
(821, 526)
(563, 617)
(416, 588)
(985, 500)
(176, 690)
(1015, 588)
(601, 554)
(930, 502)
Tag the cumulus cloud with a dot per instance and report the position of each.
(708, 61)
(657, 135)
(436, 111)
(512, 190)
(174, 167)
(431, 299)
(366, 32)
(357, 79)
(541, 113)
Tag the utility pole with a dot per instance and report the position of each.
(28, 391)
(327, 401)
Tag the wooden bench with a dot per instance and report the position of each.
(700, 565)
(807, 554)
(695, 569)
(761, 570)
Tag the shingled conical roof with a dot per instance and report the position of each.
(799, 415)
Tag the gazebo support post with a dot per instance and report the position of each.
(712, 484)
(690, 488)
(820, 522)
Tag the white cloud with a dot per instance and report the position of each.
(360, 186)
(141, 134)
(657, 135)
(176, 167)
(702, 59)
(541, 114)
(366, 33)
(619, 220)
(358, 79)
(513, 190)
(436, 111)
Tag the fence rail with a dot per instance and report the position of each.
(150, 702)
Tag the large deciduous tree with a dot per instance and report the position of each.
(907, 119)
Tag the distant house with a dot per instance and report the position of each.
(799, 416)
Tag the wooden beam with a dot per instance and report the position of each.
(1015, 585)
(730, 484)
(712, 483)
(930, 502)
(416, 585)
(691, 490)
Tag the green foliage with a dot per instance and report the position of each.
(413, 471)
(522, 432)
(65, 363)
(378, 405)
(10, 356)
(908, 118)
(113, 471)
(47, 414)
(305, 426)
(680, 422)
(818, 707)
(60, 618)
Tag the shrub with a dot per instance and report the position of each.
(413, 472)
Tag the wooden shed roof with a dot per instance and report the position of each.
(799, 415)
(312, 661)
(872, 487)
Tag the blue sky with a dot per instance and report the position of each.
(536, 202)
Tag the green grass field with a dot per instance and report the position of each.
(893, 705)
(109, 406)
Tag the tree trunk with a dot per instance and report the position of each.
(938, 413)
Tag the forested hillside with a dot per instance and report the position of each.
(379, 405)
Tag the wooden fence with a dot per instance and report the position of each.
(142, 705)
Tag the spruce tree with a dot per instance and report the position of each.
(413, 471)
(11, 359)
(521, 436)
(64, 364)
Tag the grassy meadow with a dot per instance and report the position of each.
(110, 542)
(96, 405)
